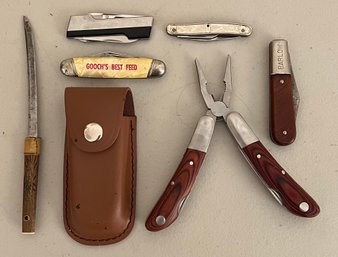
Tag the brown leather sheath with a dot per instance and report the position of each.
(99, 174)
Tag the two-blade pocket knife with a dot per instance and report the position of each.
(112, 65)
(209, 31)
(284, 96)
(117, 28)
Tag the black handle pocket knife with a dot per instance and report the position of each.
(117, 28)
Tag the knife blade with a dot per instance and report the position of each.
(32, 141)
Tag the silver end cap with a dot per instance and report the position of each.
(157, 69)
(67, 68)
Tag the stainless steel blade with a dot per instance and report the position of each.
(208, 98)
(227, 83)
(32, 81)
(295, 93)
(103, 21)
(103, 16)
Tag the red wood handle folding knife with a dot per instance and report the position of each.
(284, 97)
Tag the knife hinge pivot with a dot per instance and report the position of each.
(160, 220)
(304, 206)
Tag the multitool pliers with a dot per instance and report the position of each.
(280, 184)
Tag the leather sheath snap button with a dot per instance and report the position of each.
(93, 132)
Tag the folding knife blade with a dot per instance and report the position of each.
(112, 65)
(209, 31)
(121, 28)
(284, 96)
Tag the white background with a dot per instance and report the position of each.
(229, 212)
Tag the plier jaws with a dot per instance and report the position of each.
(219, 108)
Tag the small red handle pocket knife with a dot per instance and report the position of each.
(284, 96)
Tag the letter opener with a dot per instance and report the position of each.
(32, 141)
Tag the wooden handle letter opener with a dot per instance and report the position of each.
(32, 142)
(279, 183)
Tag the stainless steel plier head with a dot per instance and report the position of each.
(218, 108)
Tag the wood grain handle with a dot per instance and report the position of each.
(282, 114)
(171, 202)
(279, 183)
(32, 152)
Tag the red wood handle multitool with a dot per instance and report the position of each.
(280, 184)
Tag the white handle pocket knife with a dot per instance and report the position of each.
(209, 31)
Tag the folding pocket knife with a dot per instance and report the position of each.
(117, 28)
(209, 31)
(284, 96)
(112, 65)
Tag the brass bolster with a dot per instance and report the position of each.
(32, 146)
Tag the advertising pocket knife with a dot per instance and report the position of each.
(209, 31)
(284, 96)
(112, 65)
(279, 183)
(117, 28)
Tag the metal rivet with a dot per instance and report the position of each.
(191, 163)
(285, 132)
(173, 29)
(93, 132)
(304, 206)
(160, 220)
(282, 81)
(283, 172)
(172, 183)
(258, 156)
